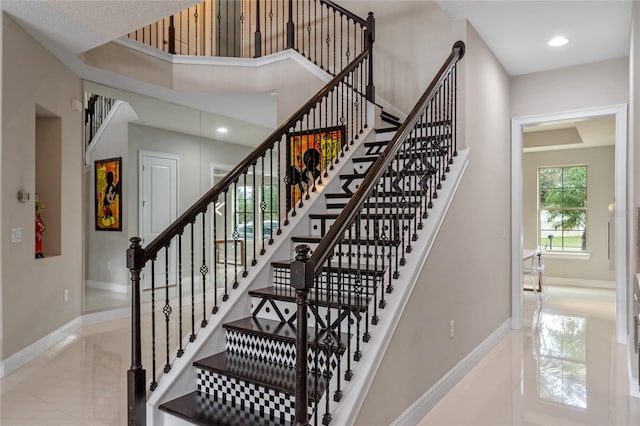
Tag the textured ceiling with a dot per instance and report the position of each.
(81, 25)
(518, 31)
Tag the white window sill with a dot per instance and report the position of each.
(567, 255)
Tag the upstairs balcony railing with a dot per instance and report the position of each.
(97, 108)
(194, 265)
(322, 31)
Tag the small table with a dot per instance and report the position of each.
(527, 255)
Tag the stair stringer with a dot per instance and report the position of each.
(211, 339)
(346, 411)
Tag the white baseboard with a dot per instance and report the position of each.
(634, 386)
(579, 282)
(31, 352)
(103, 285)
(416, 412)
(37, 348)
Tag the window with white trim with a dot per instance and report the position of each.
(562, 214)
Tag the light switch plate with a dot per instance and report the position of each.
(16, 234)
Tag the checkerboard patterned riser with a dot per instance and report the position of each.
(249, 396)
(349, 281)
(276, 351)
(279, 310)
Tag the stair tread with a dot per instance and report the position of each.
(286, 264)
(353, 241)
(387, 129)
(278, 330)
(372, 216)
(340, 195)
(288, 294)
(201, 409)
(388, 114)
(270, 375)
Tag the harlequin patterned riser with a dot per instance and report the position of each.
(276, 351)
(249, 396)
(284, 311)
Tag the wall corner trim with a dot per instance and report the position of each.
(416, 411)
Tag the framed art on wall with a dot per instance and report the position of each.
(310, 153)
(108, 186)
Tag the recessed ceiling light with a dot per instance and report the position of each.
(222, 130)
(558, 41)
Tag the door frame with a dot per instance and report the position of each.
(621, 213)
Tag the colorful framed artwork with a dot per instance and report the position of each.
(108, 187)
(310, 153)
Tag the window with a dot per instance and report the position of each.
(244, 211)
(563, 208)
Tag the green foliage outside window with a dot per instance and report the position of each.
(563, 208)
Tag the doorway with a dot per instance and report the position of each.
(620, 158)
(159, 201)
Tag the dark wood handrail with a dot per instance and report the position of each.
(353, 207)
(345, 12)
(189, 216)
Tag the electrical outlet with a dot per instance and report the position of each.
(66, 294)
(451, 329)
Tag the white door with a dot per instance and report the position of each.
(159, 174)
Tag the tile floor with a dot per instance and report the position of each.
(564, 368)
(567, 370)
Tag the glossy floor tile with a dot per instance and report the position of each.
(563, 368)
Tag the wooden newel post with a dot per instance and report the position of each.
(172, 36)
(369, 39)
(136, 376)
(258, 35)
(302, 281)
(290, 27)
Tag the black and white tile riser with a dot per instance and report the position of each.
(275, 351)
(349, 280)
(279, 310)
(249, 396)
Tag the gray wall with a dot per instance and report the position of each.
(572, 88)
(600, 187)
(466, 277)
(105, 250)
(412, 40)
(32, 289)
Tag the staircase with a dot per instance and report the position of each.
(339, 300)
(252, 382)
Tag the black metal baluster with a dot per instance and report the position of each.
(254, 262)
(225, 296)
(236, 236)
(195, 17)
(219, 28)
(204, 269)
(192, 337)
(263, 208)
(180, 348)
(244, 210)
(166, 309)
(321, 34)
(453, 125)
(214, 260)
(154, 381)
